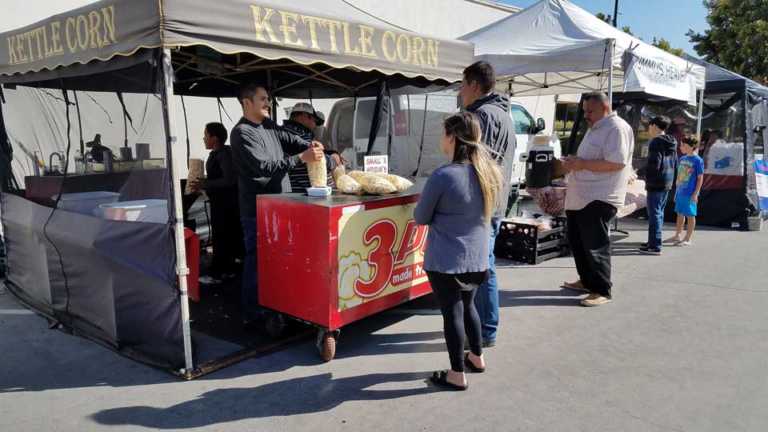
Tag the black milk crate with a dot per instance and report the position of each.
(528, 244)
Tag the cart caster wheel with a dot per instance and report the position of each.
(275, 324)
(326, 344)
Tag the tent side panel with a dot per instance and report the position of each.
(108, 280)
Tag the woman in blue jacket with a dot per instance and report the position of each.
(457, 203)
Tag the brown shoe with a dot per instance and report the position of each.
(576, 286)
(594, 299)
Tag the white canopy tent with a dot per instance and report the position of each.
(555, 47)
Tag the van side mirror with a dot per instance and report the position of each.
(540, 125)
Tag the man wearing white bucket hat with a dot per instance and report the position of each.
(303, 121)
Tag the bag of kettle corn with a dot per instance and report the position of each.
(318, 176)
(348, 185)
(195, 174)
(338, 172)
(377, 185)
(400, 183)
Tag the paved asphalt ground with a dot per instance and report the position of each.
(684, 347)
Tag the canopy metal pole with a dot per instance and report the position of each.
(182, 271)
(699, 120)
(186, 127)
(612, 49)
(80, 126)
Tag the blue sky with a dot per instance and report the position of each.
(669, 19)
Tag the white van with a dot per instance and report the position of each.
(411, 154)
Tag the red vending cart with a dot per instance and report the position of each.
(332, 261)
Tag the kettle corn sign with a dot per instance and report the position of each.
(92, 30)
(295, 30)
(380, 252)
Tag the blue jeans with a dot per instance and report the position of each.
(249, 290)
(657, 201)
(487, 298)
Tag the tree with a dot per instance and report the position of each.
(660, 43)
(737, 38)
(664, 44)
(609, 20)
(603, 17)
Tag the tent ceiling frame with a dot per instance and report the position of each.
(255, 65)
(533, 84)
(324, 75)
(315, 74)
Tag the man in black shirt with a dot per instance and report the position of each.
(263, 154)
(221, 187)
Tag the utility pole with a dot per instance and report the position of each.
(615, 12)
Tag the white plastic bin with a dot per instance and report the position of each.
(85, 202)
(151, 210)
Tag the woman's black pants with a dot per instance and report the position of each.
(456, 295)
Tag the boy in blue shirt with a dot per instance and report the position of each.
(690, 176)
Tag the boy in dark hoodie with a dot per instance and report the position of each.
(659, 176)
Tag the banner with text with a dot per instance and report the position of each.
(381, 251)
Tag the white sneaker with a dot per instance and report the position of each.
(684, 243)
(595, 299)
(674, 240)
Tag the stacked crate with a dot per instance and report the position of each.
(528, 243)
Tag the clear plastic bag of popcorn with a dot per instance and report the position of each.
(348, 185)
(195, 174)
(318, 175)
(338, 172)
(377, 185)
(357, 175)
(400, 183)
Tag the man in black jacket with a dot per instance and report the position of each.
(220, 185)
(659, 176)
(263, 154)
(492, 111)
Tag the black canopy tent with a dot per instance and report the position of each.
(737, 109)
(122, 283)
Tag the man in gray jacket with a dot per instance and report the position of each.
(492, 111)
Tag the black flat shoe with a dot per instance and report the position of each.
(471, 366)
(440, 379)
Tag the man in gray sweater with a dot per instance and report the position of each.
(263, 154)
(492, 111)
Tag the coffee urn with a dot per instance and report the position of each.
(540, 166)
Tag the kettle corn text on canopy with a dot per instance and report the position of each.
(221, 43)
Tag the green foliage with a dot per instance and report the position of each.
(609, 20)
(737, 38)
(665, 45)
